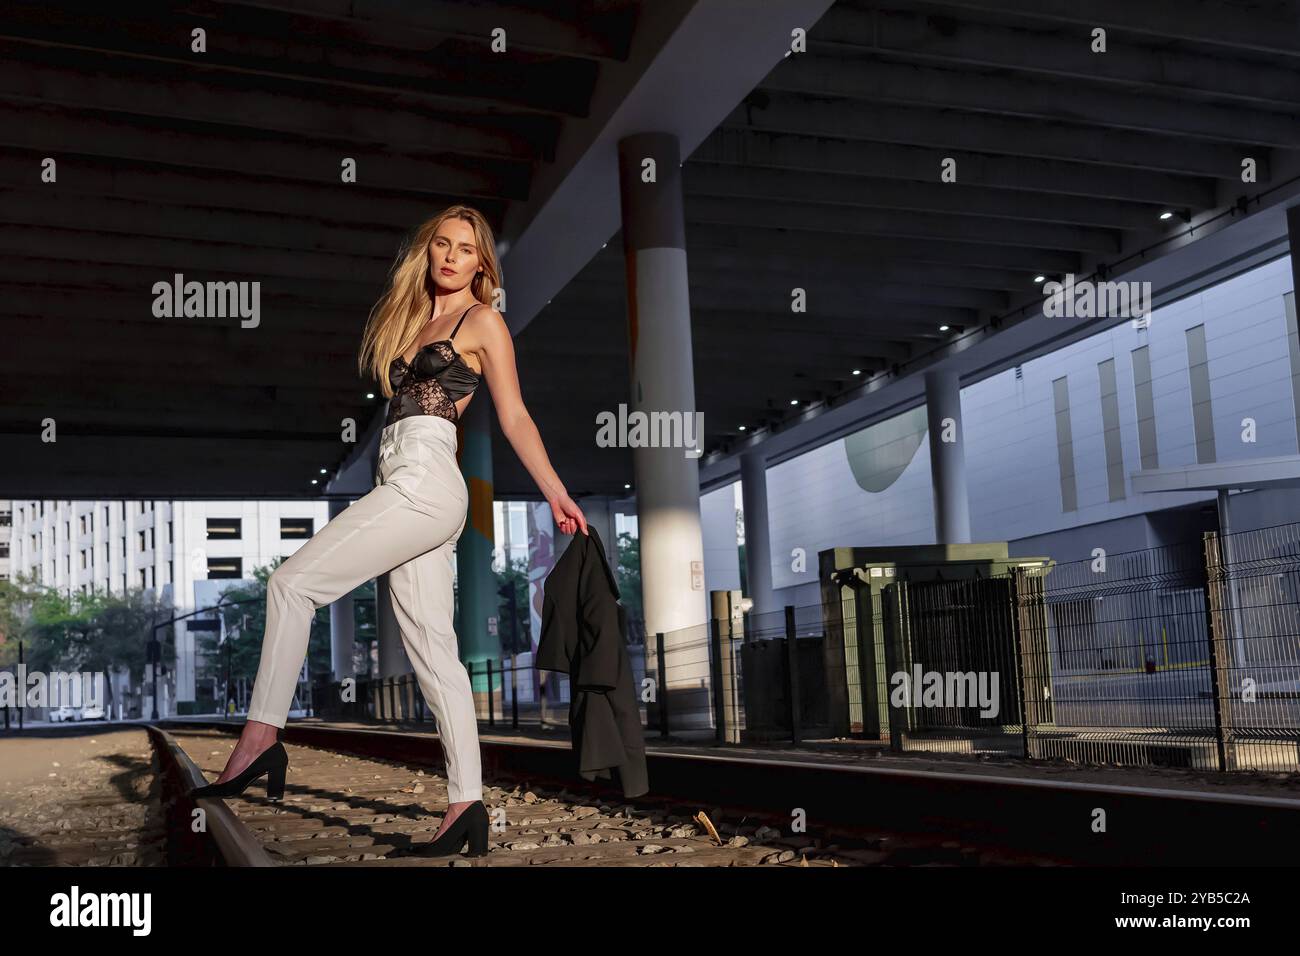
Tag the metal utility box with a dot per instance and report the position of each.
(860, 590)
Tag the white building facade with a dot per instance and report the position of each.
(173, 547)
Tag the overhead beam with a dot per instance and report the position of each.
(796, 113)
(766, 184)
(1212, 22)
(53, 131)
(1049, 101)
(716, 263)
(144, 88)
(939, 253)
(162, 184)
(1061, 49)
(594, 37)
(841, 220)
(747, 148)
(269, 43)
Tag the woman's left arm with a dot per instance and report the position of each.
(497, 355)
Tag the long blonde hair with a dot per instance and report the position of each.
(396, 319)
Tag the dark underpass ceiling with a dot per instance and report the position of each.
(827, 178)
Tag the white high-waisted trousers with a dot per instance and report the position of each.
(405, 526)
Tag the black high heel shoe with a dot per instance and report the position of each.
(471, 825)
(273, 761)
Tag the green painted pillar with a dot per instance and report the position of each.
(477, 603)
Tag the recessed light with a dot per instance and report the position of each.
(626, 486)
(857, 371)
(370, 394)
(1166, 215)
(794, 401)
(313, 481)
(1040, 278)
(322, 471)
(943, 328)
(742, 428)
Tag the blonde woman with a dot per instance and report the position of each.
(430, 340)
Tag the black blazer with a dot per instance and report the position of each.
(584, 632)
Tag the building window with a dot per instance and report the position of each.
(67, 564)
(171, 573)
(83, 524)
(225, 567)
(1112, 440)
(296, 527)
(143, 584)
(223, 529)
(1144, 400)
(140, 534)
(124, 546)
(124, 518)
(169, 532)
(91, 516)
(1065, 445)
(84, 563)
(151, 539)
(1198, 374)
(4, 549)
(106, 519)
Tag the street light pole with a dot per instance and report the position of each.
(155, 647)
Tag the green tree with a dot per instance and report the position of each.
(628, 575)
(243, 613)
(367, 630)
(512, 607)
(740, 536)
(97, 631)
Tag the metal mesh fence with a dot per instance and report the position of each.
(1184, 655)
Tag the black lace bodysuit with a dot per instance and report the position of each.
(434, 380)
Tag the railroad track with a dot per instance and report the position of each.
(358, 809)
(118, 796)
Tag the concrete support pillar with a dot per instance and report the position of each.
(478, 600)
(1228, 549)
(1293, 236)
(599, 510)
(343, 622)
(662, 369)
(392, 656)
(725, 607)
(758, 556)
(947, 457)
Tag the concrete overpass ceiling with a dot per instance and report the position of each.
(225, 165)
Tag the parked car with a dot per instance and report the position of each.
(66, 712)
(93, 713)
